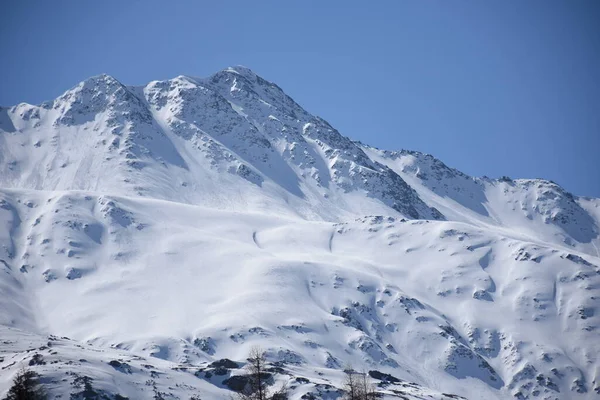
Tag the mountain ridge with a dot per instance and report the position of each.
(187, 220)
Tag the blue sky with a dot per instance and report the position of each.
(489, 87)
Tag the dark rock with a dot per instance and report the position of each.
(120, 366)
(224, 363)
(237, 383)
(206, 344)
(37, 359)
(275, 369)
(382, 376)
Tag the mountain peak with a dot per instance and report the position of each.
(241, 70)
(101, 80)
(130, 206)
(92, 96)
(102, 83)
(236, 71)
(249, 75)
(249, 127)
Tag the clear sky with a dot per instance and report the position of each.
(489, 87)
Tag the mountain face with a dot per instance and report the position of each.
(148, 232)
(219, 142)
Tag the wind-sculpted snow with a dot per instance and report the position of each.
(167, 229)
(440, 179)
(445, 305)
(540, 209)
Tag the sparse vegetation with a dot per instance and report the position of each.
(358, 385)
(258, 380)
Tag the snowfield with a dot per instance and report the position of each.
(148, 232)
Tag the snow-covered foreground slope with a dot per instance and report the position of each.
(163, 228)
(443, 304)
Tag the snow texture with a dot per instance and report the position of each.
(150, 236)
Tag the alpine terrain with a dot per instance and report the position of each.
(151, 236)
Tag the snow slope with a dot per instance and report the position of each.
(536, 208)
(180, 223)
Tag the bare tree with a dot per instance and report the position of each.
(366, 387)
(257, 373)
(358, 385)
(258, 379)
(281, 393)
(351, 386)
(26, 386)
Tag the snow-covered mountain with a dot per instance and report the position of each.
(232, 141)
(148, 232)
